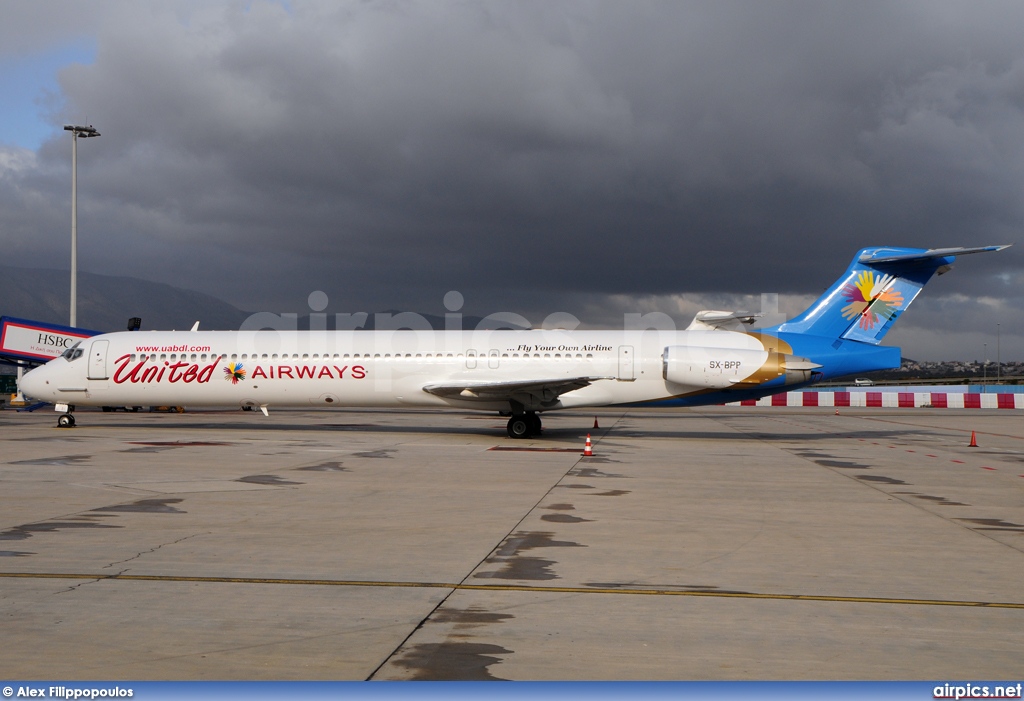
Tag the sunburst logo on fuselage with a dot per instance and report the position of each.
(234, 372)
(871, 298)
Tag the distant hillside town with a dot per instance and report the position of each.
(951, 372)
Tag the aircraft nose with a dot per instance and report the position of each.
(33, 384)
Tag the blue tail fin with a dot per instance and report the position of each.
(879, 285)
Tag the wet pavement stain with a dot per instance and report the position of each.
(527, 568)
(60, 460)
(28, 530)
(383, 453)
(612, 493)
(573, 486)
(269, 480)
(178, 444)
(593, 472)
(515, 566)
(333, 466)
(468, 618)
(15, 553)
(843, 464)
(880, 479)
(940, 501)
(565, 518)
(561, 507)
(522, 541)
(452, 661)
(993, 524)
(145, 506)
(147, 449)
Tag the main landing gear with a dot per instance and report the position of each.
(524, 425)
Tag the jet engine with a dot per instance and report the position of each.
(724, 368)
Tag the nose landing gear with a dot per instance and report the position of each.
(66, 420)
(524, 425)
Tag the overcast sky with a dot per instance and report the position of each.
(594, 158)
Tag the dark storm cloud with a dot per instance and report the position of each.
(535, 155)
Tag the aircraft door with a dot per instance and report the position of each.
(493, 359)
(471, 359)
(98, 360)
(626, 364)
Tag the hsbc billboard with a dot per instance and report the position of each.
(37, 341)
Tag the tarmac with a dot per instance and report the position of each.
(718, 543)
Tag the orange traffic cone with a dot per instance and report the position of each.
(595, 423)
(588, 451)
(837, 411)
(974, 441)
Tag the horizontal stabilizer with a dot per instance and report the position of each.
(877, 255)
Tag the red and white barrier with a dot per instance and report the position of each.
(939, 400)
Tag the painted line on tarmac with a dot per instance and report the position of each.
(633, 591)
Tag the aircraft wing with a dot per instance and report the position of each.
(544, 392)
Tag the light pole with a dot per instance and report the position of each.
(984, 375)
(999, 360)
(84, 132)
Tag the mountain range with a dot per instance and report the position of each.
(105, 303)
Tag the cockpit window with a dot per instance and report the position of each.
(72, 353)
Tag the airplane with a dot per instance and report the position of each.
(521, 373)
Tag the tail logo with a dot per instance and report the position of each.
(872, 299)
(234, 372)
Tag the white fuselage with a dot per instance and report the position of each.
(394, 368)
